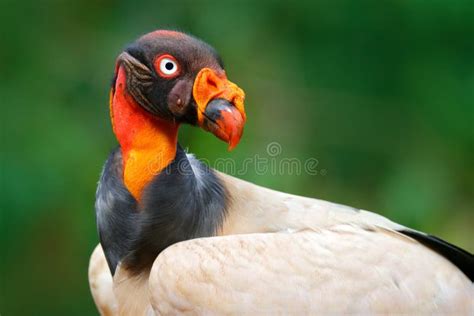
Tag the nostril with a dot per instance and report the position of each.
(211, 82)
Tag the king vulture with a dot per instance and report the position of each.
(177, 237)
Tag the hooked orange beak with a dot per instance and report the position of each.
(220, 106)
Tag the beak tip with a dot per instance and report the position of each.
(225, 121)
(231, 146)
(235, 135)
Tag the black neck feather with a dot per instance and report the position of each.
(185, 201)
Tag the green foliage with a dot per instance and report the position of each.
(380, 92)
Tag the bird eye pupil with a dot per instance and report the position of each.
(169, 66)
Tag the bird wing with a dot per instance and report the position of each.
(291, 253)
(341, 270)
(254, 209)
(121, 294)
(101, 283)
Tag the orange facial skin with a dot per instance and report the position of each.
(148, 143)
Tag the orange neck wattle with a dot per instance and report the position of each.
(148, 143)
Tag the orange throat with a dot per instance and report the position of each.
(148, 143)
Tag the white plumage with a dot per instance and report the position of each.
(285, 254)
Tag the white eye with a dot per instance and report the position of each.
(168, 66)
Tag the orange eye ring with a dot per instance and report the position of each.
(167, 66)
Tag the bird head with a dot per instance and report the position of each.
(177, 78)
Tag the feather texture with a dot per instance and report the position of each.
(281, 253)
(342, 270)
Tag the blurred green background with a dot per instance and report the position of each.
(380, 92)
